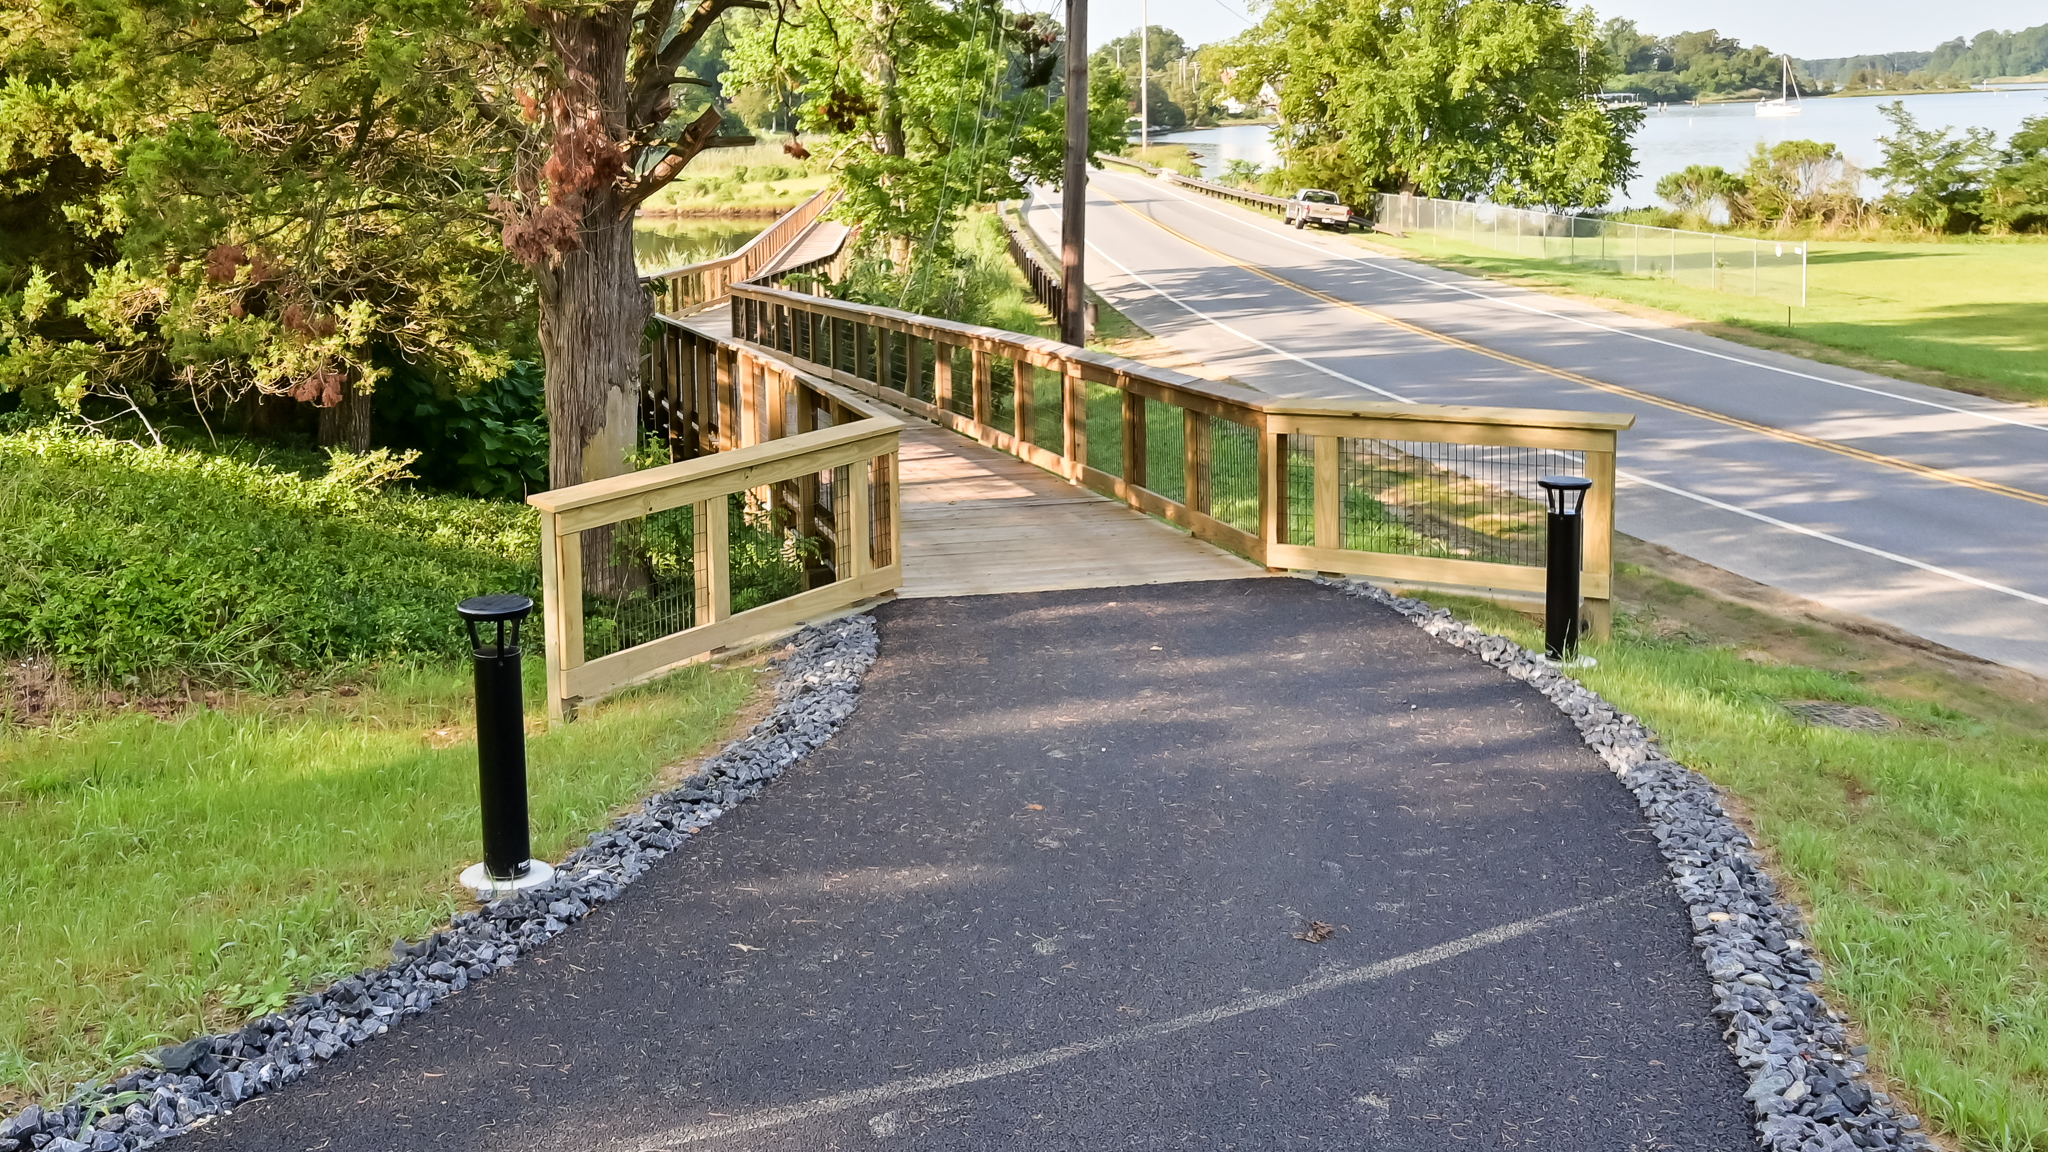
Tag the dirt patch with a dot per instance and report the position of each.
(35, 693)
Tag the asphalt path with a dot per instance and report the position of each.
(1043, 891)
(1919, 507)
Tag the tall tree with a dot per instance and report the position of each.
(930, 107)
(1451, 98)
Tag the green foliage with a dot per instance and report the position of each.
(1936, 180)
(1795, 182)
(1992, 54)
(218, 199)
(1184, 88)
(938, 106)
(980, 286)
(1491, 98)
(2018, 195)
(491, 442)
(1688, 65)
(124, 560)
(1700, 189)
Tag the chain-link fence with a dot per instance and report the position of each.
(1774, 269)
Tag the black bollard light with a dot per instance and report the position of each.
(500, 746)
(1567, 496)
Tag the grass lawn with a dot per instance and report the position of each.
(761, 180)
(171, 876)
(1921, 854)
(1965, 313)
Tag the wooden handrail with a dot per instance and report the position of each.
(690, 287)
(818, 460)
(910, 361)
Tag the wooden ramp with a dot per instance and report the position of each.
(978, 521)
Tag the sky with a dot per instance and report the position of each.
(1811, 28)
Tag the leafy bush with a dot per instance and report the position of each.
(123, 560)
(491, 443)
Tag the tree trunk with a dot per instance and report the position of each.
(346, 424)
(592, 316)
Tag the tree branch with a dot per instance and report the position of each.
(659, 75)
(698, 136)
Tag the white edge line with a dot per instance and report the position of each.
(1249, 339)
(1817, 534)
(1387, 264)
(993, 1069)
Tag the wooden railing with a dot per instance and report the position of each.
(1415, 493)
(1044, 281)
(815, 468)
(692, 287)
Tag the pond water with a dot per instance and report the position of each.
(659, 244)
(1679, 135)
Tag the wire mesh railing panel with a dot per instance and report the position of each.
(881, 525)
(646, 587)
(961, 360)
(1740, 265)
(1002, 395)
(1048, 412)
(1166, 450)
(1456, 501)
(1234, 474)
(1300, 525)
(1105, 428)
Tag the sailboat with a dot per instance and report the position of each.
(1786, 104)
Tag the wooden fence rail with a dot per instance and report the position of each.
(815, 465)
(1416, 493)
(691, 287)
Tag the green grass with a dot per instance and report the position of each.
(731, 180)
(168, 877)
(1922, 856)
(1969, 307)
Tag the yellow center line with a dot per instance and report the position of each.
(1840, 449)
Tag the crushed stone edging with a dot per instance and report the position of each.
(1808, 1089)
(208, 1075)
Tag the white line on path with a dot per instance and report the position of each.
(1816, 533)
(1385, 264)
(992, 1069)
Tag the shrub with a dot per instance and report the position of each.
(491, 443)
(122, 560)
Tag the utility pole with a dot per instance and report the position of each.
(1144, 74)
(1074, 180)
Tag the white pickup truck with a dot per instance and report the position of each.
(1320, 207)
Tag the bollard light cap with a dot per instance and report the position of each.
(496, 607)
(1565, 494)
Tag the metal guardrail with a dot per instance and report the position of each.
(1421, 493)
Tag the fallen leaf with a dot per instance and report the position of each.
(1316, 933)
(747, 947)
(1034, 807)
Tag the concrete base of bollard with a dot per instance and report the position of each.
(474, 878)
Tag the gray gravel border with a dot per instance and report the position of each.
(1808, 1087)
(819, 686)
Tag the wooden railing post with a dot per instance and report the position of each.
(1329, 506)
(942, 376)
(1194, 429)
(1272, 488)
(1024, 404)
(1134, 438)
(984, 394)
(1074, 400)
(1598, 554)
(713, 570)
(852, 514)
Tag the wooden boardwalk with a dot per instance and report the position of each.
(978, 521)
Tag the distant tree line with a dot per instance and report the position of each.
(1937, 180)
(1694, 65)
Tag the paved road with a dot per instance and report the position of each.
(1041, 892)
(1923, 508)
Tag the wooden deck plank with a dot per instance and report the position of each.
(977, 522)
